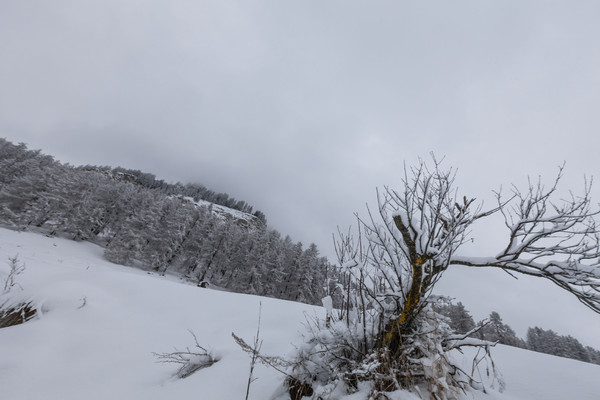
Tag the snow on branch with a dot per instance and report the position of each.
(557, 239)
(189, 360)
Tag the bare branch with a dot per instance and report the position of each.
(16, 269)
(555, 239)
(190, 360)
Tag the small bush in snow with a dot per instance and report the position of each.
(342, 356)
(11, 315)
(189, 360)
(11, 312)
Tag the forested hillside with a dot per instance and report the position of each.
(145, 222)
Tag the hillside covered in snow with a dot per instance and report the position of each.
(144, 222)
(99, 323)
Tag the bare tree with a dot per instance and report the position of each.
(400, 252)
(424, 225)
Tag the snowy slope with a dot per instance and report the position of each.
(222, 211)
(100, 323)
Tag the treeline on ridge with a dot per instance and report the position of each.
(495, 330)
(144, 222)
(193, 190)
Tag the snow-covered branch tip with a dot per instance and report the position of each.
(257, 345)
(16, 269)
(189, 360)
(278, 363)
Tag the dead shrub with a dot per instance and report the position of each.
(11, 315)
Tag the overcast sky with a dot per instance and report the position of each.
(303, 108)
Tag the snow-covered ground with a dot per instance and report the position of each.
(101, 322)
(224, 212)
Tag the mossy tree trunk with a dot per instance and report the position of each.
(421, 280)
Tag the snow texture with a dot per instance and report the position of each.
(99, 325)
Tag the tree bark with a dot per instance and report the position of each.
(397, 328)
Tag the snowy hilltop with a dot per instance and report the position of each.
(205, 237)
